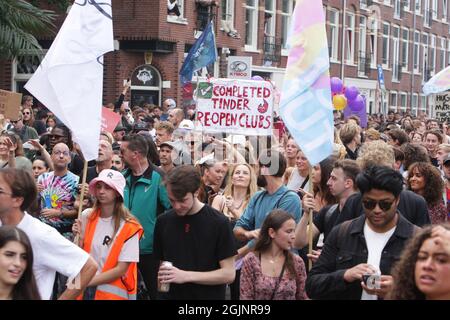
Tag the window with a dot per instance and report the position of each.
(442, 54)
(286, 13)
(405, 49)
(251, 24)
(396, 68)
(24, 67)
(385, 53)
(403, 100)
(425, 65)
(363, 4)
(444, 9)
(228, 12)
(407, 5)
(423, 103)
(334, 34)
(397, 8)
(373, 42)
(416, 51)
(426, 12)
(362, 63)
(175, 12)
(418, 6)
(387, 2)
(415, 103)
(432, 53)
(448, 50)
(435, 9)
(350, 38)
(269, 18)
(394, 96)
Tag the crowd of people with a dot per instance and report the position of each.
(171, 212)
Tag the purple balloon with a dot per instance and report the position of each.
(357, 104)
(258, 78)
(351, 93)
(336, 85)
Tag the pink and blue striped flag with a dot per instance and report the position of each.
(306, 106)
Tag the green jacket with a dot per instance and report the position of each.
(143, 199)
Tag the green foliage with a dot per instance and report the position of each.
(20, 21)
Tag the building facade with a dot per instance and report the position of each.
(409, 39)
(152, 38)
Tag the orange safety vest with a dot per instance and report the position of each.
(125, 287)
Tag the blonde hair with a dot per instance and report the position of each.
(348, 132)
(252, 187)
(445, 147)
(376, 152)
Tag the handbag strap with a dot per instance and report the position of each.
(279, 279)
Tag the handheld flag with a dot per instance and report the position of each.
(202, 53)
(306, 106)
(439, 83)
(69, 81)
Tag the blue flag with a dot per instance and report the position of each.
(202, 53)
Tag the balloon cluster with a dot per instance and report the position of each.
(346, 96)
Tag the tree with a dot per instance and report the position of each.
(20, 22)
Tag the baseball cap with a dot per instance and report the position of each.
(446, 159)
(140, 126)
(112, 178)
(119, 127)
(171, 104)
(186, 124)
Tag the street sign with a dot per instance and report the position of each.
(381, 77)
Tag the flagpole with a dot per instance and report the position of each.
(80, 206)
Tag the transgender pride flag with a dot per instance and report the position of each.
(306, 106)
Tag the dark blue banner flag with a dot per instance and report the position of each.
(202, 53)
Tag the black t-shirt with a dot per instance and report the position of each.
(194, 243)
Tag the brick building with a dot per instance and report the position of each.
(410, 45)
(151, 44)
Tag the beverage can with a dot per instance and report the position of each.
(164, 287)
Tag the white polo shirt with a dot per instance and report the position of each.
(52, 253)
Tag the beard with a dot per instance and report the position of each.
(261, 181)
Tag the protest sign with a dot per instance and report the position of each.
(10, 104)
(442, 107)
(110, 119)
(235, 106)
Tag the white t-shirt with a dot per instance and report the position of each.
(102, 243)
(296, 180)
(375, 244)
(52, 253)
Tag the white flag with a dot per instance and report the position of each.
(69, 81)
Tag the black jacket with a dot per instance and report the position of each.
(412, 206)
(342, 252)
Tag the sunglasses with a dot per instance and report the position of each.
(117, 162)
(383, 204)
(15, 121)
(26, 113)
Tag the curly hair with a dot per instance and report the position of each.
(403, 272)
(433, 181)
(414, 152)
(374, 153)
